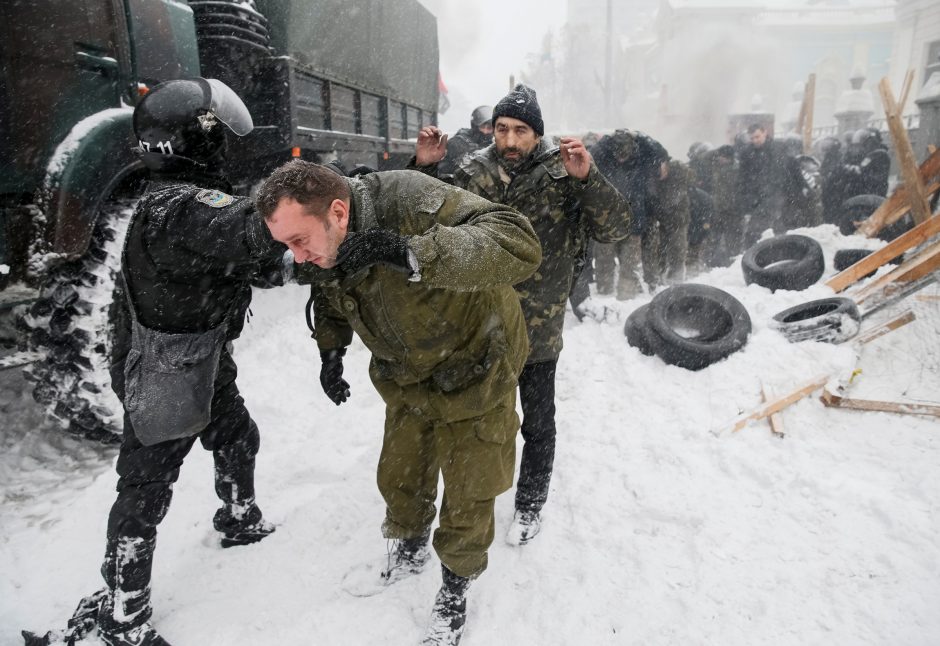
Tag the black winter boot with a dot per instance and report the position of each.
(143, 635)
(83, 621)
(408, 556)
(525, 525)
(241, 524)
(449, 613)
(124, 616)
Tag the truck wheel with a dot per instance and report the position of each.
(73, 322)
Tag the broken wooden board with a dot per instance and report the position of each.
(902, 210)
(922, 264)
(917, 195)
(775, 419)
(809, 101)
(837, 401)
(777, 405)
(899, 203)
(908, 240)
(889, 326)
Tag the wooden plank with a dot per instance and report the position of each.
(906, 160)
(837, 401)
(777, 405)
(905, 90)
(903, 210)
(908, 240)
(776, 419)
(899, 321)
(809, 100)
(897, 292)
(923, 263)
(801, 119)
(928, 266)
(929, 169)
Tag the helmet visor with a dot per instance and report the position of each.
(228, 108)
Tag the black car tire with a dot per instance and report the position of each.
(693, 326)
(832, 320)
(637, 331)
(791, 262)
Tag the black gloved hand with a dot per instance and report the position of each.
(331, 376)
(372, 246)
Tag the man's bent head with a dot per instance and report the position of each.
(306, 206)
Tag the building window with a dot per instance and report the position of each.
(933, 59)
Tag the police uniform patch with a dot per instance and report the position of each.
(215, 199)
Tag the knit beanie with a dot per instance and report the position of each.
(521, 104)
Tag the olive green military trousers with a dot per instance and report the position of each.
(477, 459)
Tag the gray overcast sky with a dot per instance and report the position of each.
(482, 42)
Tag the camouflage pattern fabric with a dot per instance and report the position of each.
(565, 212)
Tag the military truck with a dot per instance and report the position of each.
(352, 80)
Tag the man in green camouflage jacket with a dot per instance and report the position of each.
(422, 272)
(567, 200)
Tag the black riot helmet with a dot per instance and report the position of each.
(179, 123)
(481, 114)
(867, 139)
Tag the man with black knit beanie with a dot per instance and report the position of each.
(568, 201)
(521, 104)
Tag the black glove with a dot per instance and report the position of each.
(331, 376)
(372, 246)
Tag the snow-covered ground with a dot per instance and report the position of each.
(659, 529)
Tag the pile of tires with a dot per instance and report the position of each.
(691, 326)
(831, 320)
(790, 262)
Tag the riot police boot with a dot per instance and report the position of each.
(83, 621)
(125, 611)
(143, 635)
(241, 524)
(525, 525)
(449, 614)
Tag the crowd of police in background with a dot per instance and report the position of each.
(689, 216)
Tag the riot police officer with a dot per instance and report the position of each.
(192, 252)
(467, 140)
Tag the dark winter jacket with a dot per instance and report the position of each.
(455, 338)
(635, 177)
(192, 255)
(869, 176)
(459, 146)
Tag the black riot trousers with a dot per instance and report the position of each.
(537, 397)
(145, 487)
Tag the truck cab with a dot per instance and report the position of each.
(324, 79)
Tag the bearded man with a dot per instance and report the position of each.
(567, 201)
